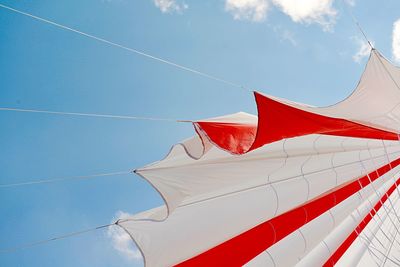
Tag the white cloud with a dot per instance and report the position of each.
(396, 41)
(121, 241)
(254, 10)
(309, 11)
(305, 11)
(170, 6)
(363, 49)
(289, 36)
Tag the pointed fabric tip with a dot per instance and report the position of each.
(278, 120)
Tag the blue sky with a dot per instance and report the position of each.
(309, 53)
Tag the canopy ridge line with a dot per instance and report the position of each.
(377, 193)
(44, 241)
(391, 244)
(91, 115)
(358, 25)
(61, 179)
(371, 246)
(132, 50)
(369, 242)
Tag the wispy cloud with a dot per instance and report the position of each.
(321, 12)
(285, 34)
(289, 36)
(363, 49)
(171, 6)
(121, 241)
(253, 10)
(396, 41)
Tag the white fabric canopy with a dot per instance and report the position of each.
(215, 199)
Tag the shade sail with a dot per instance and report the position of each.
(371, 111)
(273, 189)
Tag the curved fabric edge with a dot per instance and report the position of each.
(134, 241)
(277, 121)
(298, 122)
(311, 144)
(194, 148)
(279, 118)
(172, 198)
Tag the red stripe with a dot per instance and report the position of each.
(360, 227)
(244, 247)
(277, 121)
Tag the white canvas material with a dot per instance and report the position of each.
(212, 196)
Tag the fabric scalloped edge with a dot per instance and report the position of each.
(277, 120)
